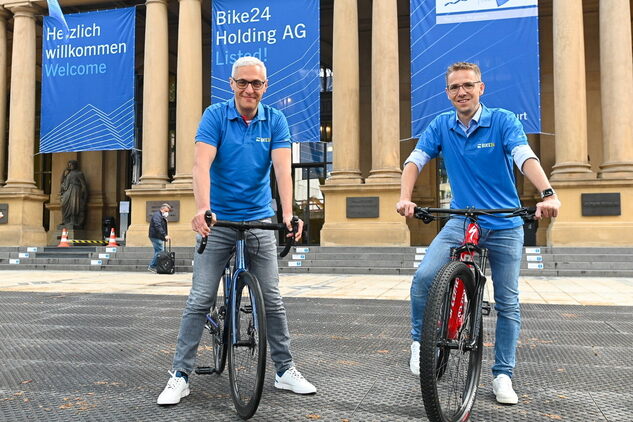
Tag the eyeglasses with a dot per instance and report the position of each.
(468, 87)
(243, 83)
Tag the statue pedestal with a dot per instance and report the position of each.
(23, 216)
(73, 234)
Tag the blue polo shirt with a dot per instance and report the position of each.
(240, 173)
(480, 166)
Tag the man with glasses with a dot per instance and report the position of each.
(236, 144)
(478, 145)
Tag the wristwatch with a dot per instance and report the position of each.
(547, 192)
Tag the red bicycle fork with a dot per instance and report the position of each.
(458, 297)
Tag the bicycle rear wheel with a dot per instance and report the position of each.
(449, 366)
(220, 336)
(213, 347)
(247, 352)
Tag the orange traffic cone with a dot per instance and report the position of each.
(63, 242)
(112, 241)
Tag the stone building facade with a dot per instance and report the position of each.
(587, 122)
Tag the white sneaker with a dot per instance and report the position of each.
(293, 380)
(176, 389)
(502, 387)
(414, 362)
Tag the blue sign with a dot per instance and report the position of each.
(88, 82)
(501, 36)
(284, 34)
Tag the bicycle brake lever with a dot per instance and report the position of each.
(423, 214)
(526, 213)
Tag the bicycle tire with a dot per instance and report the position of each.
(450, 371)
(247, 360)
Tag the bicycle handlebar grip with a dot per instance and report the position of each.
(290, 240)
(203, 242)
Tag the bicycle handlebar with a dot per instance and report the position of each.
(248, 225)
(426, 214)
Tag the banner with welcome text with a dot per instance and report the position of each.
(284, 34)
(88, 82)
(501, 36)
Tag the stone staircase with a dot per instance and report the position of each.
(537, 261)
(87, 258)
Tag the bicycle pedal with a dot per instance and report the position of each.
(204, 370)
(485, 308)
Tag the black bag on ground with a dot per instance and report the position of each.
(166, 262)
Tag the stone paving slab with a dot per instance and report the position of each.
(104, 357)
(602, 291)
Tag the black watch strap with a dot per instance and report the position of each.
(548, 192)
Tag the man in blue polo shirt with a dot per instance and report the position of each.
(479, 146)
(236, 144)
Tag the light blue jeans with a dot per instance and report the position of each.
(159, 246)
(504, 257)
(207, 271)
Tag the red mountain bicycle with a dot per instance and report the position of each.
(452, 333)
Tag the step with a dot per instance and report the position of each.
(70, 249)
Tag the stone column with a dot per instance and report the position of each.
(188, 87)
(385, 87)
(24, 202)
(155, 95)
(345, 95)
(154, 179)
(22, 103)
(570, 97)
(616, 78)
(4, 14)
(363, 214)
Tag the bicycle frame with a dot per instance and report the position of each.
(232, 273)
(468, 253)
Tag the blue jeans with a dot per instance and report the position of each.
(159, 246)
(504, 256)
(207, 271)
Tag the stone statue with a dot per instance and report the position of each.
(74, 196)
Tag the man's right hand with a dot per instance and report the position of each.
(199, 224)
(405, 208)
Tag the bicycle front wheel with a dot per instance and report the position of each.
(247, 346)
(451, 349)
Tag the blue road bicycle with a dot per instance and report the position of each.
(236, 321)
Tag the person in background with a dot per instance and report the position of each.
(158, 233)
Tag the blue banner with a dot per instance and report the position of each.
(284, 34)
(88, 82)
(55, 12)
(501, 36)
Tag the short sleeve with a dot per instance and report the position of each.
(429, 140)
(513, 133)
(279, 130)
(209, 129)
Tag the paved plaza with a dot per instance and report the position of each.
(96, 346)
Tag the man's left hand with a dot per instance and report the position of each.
(547, 208)
(288, 223)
